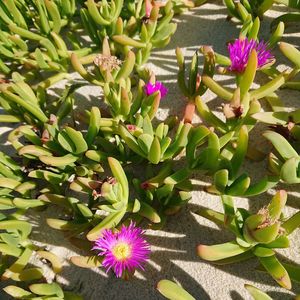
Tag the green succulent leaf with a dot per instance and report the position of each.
(17, 292)
(290, 170)
(46, 289)
(291, 53)
(256, 293)
(276, 270)
(108, 222)
(86, 261)
(173, 291)
(281, 144)
(220, 251)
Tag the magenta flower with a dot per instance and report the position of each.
(158, 86)
(240, 50)
(124, 250)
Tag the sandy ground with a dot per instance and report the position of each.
(174, 248)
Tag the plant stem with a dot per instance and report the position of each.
(189, 112)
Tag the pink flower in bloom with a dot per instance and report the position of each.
(240, 50)
(158, 86)
(124, 250)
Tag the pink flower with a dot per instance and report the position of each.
(124, 250)
(158, 86)
(240, 50)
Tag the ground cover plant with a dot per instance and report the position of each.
(113, 170)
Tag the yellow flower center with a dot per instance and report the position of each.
(121, 251)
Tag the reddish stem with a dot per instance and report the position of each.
(148, 8)
(189, 112)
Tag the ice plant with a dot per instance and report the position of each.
(124, 250)
(158, 86)
(257, 235)
(240, 50)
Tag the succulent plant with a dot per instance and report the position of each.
(30, 35)
(194, 86)
(243, 102)
(154, 31)
(138, 25)
(162, 195)
(108, 172)
(244, 8)
(44, 15)
(223, 158)
(107, 67)
(17, 196)
(256, 235)
(113, 192)
(154, 144)
(285, 162)
(62, 159)
(125, 97)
